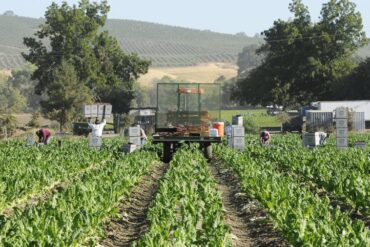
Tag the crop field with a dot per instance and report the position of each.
(282, 195)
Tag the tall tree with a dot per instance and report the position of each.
(21, 79)
(11, 99)
(303, 60)
(248, 59)
(71, 33)
(65, 95)
(356, 86)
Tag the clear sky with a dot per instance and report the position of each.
(226, 16)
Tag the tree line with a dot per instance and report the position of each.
(303, 61)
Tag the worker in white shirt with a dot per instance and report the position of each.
(97, 128)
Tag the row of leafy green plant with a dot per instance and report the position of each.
(345, 174)
(187, 210)
(303, 217)
(28, 171)
(76, 213)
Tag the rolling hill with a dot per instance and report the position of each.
(166, 46)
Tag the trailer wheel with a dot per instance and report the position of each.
(208, 150)
(167, 152)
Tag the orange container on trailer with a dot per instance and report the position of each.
(220, 127)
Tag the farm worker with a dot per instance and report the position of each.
(143, 137)
(323, 136)
(44, 136)
(97, 128)
(265, 137)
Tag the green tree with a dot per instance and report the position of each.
(65, 95)
(21, 80)
(71, 33)
(303, 61)
(356, 86)
(11, 99)
(248, 59)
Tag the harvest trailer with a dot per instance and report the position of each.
(184, 114)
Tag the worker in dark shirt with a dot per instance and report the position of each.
(44, 136)
(265, 137)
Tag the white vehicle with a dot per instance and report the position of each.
(355, 105)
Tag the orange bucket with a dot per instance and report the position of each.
(220, 127)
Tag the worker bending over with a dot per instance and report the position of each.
(97, 128)
(44, 136)
(265, 137)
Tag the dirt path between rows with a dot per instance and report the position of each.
(248, 222)
(133, 223)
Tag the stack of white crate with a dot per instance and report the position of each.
(341, 120)
(238, 137)
(95, 142)
(134, 135)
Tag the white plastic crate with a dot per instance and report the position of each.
(238, 131)
(94, 110)
(311, 139)
(342, 132)
(342, 142)
(95, 141)
(341, 123)
(30, 141)
(134, 131)
(135, 140)
(341, 113)
(238, 142)
(360, 144)
(87, 111)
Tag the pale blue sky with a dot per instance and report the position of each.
(232, 16)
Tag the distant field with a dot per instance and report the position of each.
(259, 116)
(205, 73)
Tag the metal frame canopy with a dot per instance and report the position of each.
(187, 106)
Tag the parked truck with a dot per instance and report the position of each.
(355, 105)
(297, 120)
